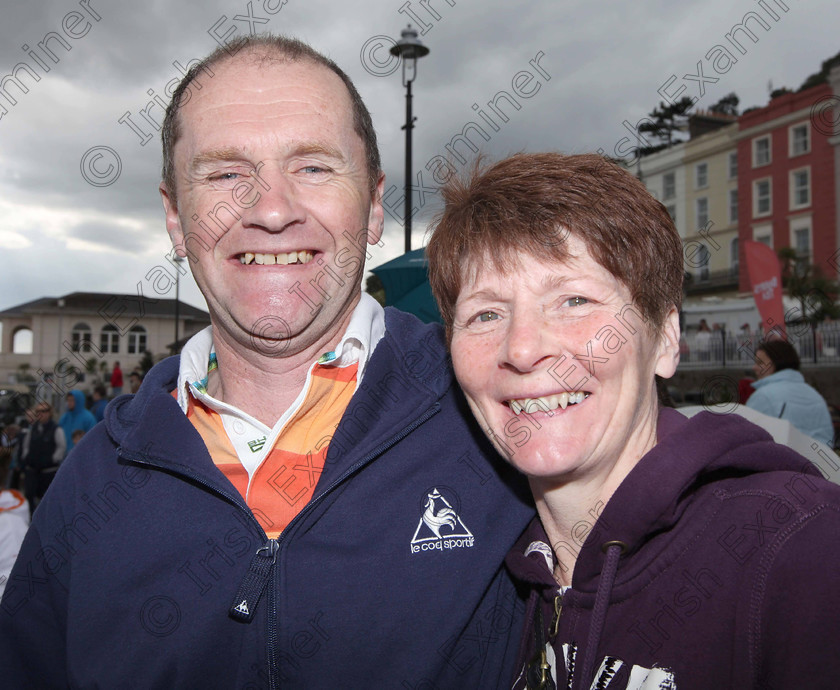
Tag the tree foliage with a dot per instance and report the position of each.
(666, 120)
(816, 293)
(727, 105)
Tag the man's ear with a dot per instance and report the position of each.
(376, 217)
(173, 221)
(668, 356)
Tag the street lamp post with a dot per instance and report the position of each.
(410, 49)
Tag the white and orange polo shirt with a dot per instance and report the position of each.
(276, 469)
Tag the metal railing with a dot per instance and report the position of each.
(721, 348)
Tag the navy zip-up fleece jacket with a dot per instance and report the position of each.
(144, 568)
(727, 573)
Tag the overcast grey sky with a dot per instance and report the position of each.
(599, 64)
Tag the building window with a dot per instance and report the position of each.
(109, 339)
(136, 340)
(799, 138)
(733, 256)
(800, 188)
(702, 212)
(80, 338)
(703, 256)
(669, 185)
(701, 175)
(762, 202)
(733, 165)
(764, 234)
(733, 205)
(22, 341)
(761, 151)
(802, 242)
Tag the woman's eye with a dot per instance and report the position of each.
(576, 301)
(486, 316)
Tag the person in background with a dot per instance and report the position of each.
(43, 448)
(10, 439)
(100, 402)
(14, 521)
(669, 552)
(703, 341)
(781, 391)
(116, 380)
(77, 416)
(135, 378)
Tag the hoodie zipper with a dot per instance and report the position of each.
(273, 545)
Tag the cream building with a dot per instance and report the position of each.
(710, 245)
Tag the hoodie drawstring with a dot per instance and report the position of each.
(613, 549)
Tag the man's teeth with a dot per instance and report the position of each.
(547, 403)
(298, 257)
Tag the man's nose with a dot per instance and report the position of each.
(274, 204)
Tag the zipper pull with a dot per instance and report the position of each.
(250, 590)
(555, 621)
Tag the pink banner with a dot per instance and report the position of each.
(765, 274)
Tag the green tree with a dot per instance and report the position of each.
(147, 361)
(727, 105)
(666, 120)
(816, 293)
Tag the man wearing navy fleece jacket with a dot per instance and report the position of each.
(301, 499)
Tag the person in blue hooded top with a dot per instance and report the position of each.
(76, 417)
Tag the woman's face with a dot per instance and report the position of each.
(558, 366)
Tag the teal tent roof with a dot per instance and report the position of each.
(406, 282)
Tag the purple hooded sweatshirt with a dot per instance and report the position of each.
(714, 565)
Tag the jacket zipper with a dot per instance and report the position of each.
(273, 545)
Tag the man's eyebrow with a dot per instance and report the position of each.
(311, 148)
(236, 154)
(218, 155)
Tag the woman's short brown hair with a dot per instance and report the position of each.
(530, 202)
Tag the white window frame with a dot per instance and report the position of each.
(698, 184)
(733, 217)
(792, 139)
(760, 231)
(755, 185)
(81, 337)
(792, 202)
(802, 223)
(109, 339)
(755, 162)
(138, 340)
(703, 269)
(701, 223)
(732, 163)
(673, 190)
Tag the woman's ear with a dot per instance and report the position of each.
(668, 356)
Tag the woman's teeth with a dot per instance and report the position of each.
(547, 403)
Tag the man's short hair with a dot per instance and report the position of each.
(265, 48)
(99, 389)
(781, 353)
(530, 202)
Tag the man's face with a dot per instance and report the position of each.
(268, 152)
(71, 402)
